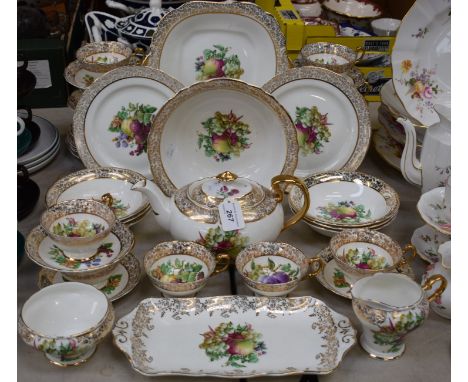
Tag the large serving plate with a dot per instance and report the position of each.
(221, 125)
(96, 183)
(201, 40)
(421, 59)
(330, 116)
(113, 117)
(234, 336)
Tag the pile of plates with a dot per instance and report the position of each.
(44, 150)
(342, 200)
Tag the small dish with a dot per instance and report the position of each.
(101, 57)
(335, 57)
(182, 268)
(66, 321)
(341, 199)
(79, 77)
(42, 250)
(121, 281)
(433, 211)
(358, 13)
(336, 280)
(273, 269)
(427, 240)
(385, 26)
(98, 184)
(363, 252)
(78, 226)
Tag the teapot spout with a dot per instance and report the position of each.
(160, 203)
(410, 165)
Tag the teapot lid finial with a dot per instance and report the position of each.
(226, 176)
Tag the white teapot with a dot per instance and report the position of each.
(434, 167)
(192, 212)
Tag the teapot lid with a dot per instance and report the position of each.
(200, 200)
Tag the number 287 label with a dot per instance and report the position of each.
(230, 213)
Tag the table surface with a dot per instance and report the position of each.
(427, 356)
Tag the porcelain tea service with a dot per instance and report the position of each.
(274, 269)
(66, 322)
(192, 212)
(389, 306)
(335, 57)
(181, 269)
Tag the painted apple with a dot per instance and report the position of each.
(346, 212)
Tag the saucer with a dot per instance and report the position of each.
(338, 281)
(433, 211)
(80, 77)
(426, 241)
(122, 280)
(42, 250)
(389, 149)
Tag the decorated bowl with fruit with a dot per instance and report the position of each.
(182, 268)
(274, 269)
(103, 56)
(78, 226)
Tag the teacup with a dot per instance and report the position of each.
(363, 252)
(66, 321)
(385, 26)
(335, 57)
(103, 56)
(182, 268)
(389, 306)
(78, 227)
(274, 269)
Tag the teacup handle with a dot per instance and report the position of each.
(290, 179)
(408, 248)
(318, 269)
(360, 51)
(431, 281)
(220, 258)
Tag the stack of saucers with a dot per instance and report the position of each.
(342, 200)
(110, 185)
(81, 240)
(44, 150)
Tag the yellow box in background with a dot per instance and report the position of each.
(297, 34)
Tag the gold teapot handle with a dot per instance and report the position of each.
(290, 179)
(360, 52)
(408, 248)
(431, 281)
(318, 269)
(222, 260)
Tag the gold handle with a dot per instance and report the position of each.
(290, 179)
(220, 258)
(360, 52)
(319, 267)
(408, 248)
(431, 281)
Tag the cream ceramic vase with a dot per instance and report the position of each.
(192, 214)
(442, 304)
(433, 169)
(389, 306)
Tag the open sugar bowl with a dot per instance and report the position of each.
(274, 269)
(335, 57)
(78, 227)
(182, 268)
(103, 56)
(363, 252)
(66, 322)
